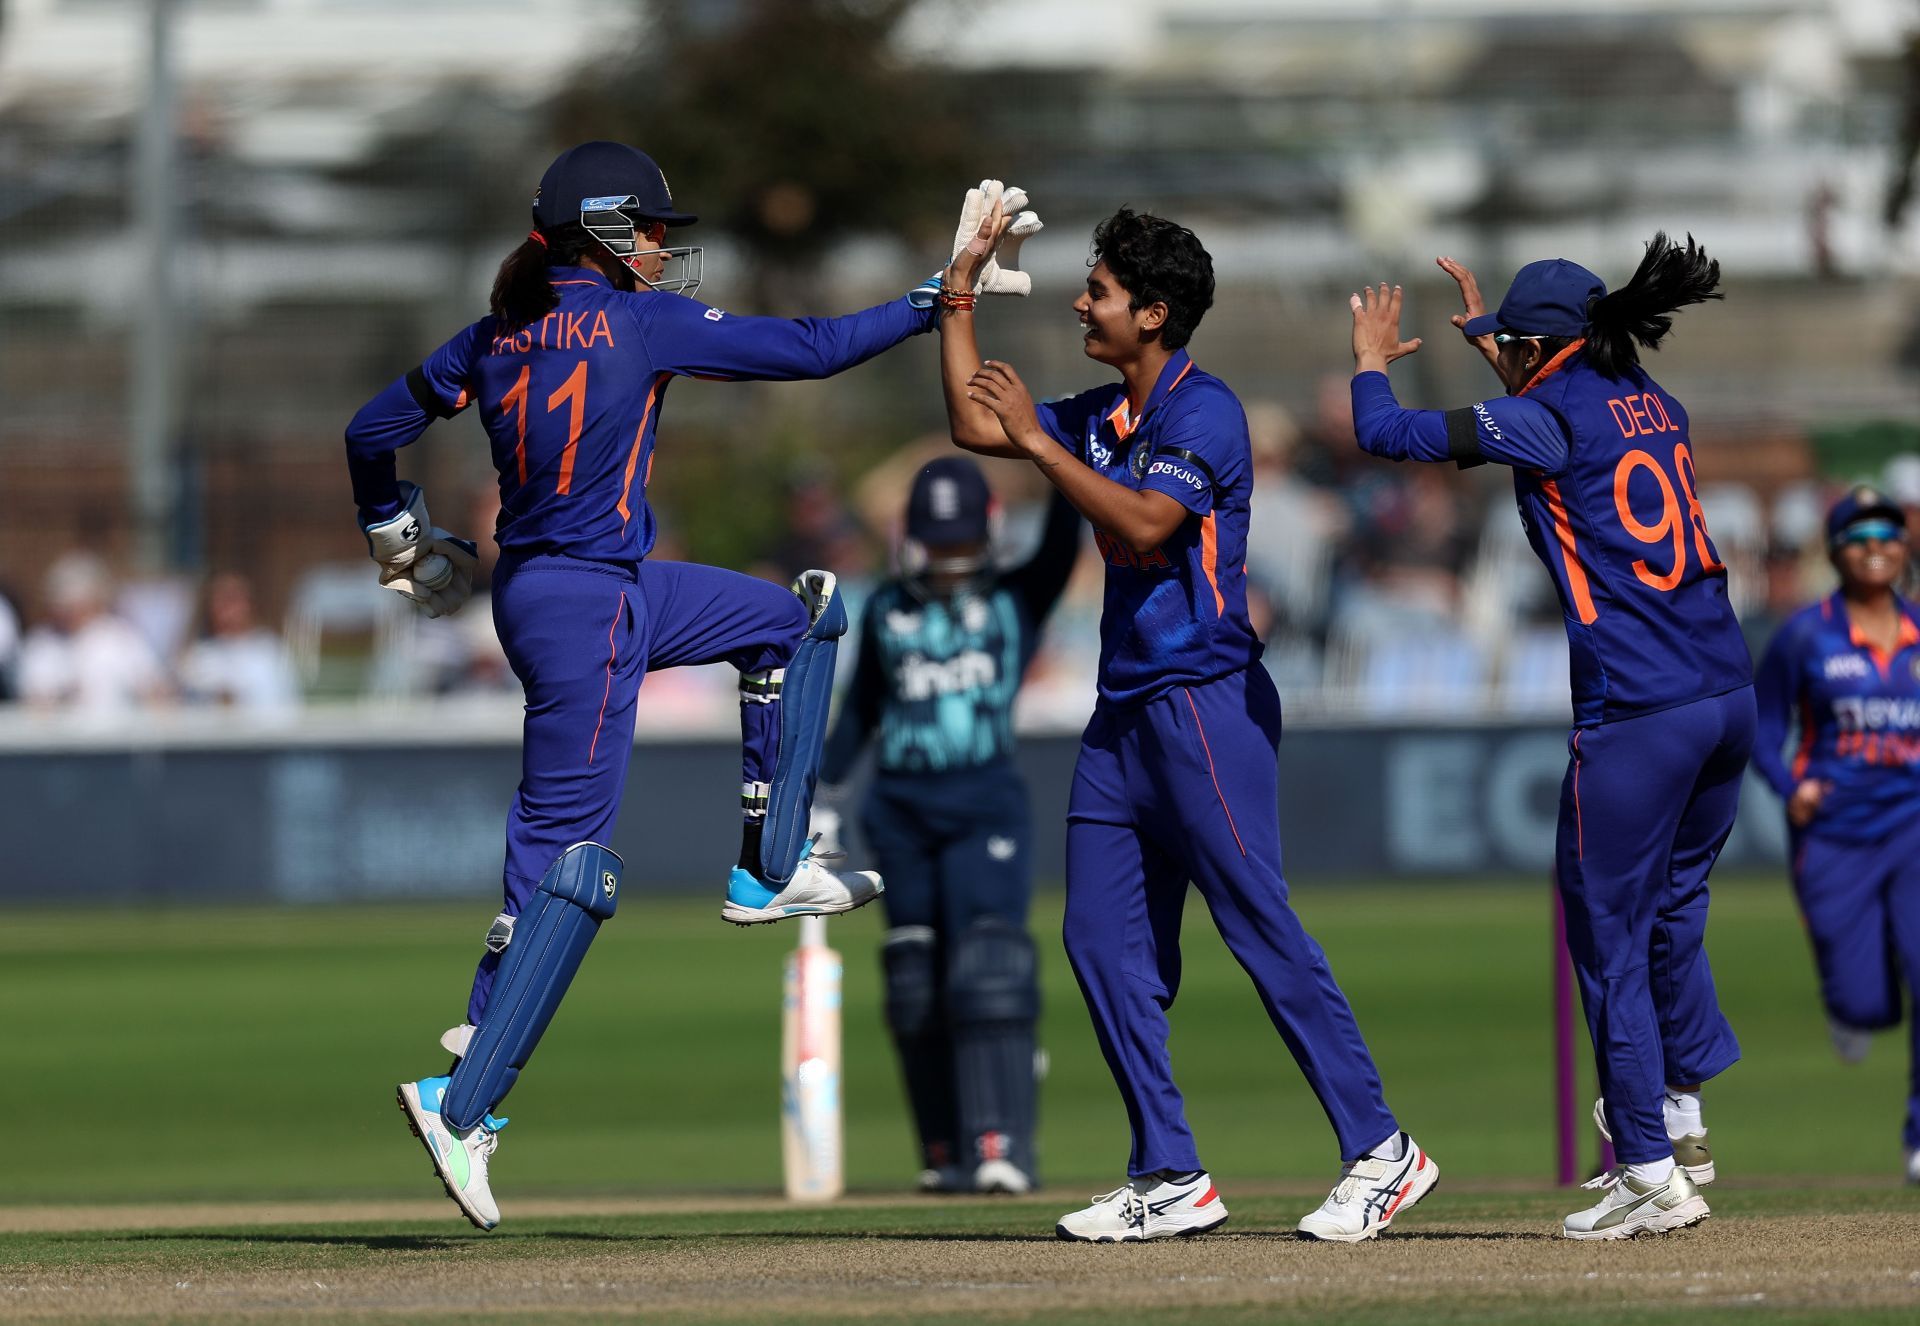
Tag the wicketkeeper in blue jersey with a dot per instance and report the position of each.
(943, 649)
(1846, 671)
(1662, 688)
(1178, 777)
(592, 319)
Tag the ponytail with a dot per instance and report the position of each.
(1669, 278)
(523, 293)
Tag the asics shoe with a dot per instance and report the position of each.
(1630, 1206)
(459, 1158)
(1690, 1151)
(813, 891)
(1147, 1208)
(1371, 1192)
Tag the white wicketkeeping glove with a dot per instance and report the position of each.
(430, 567)
(1002, 274)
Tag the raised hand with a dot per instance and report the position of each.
(1472, 302)
(971, 258)
(1376, 329)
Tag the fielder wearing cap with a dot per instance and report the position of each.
(1663, 704)
(1845, 672)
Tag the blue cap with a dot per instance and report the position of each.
(950, 503)
(604, 172)
(1547, 298)
(1863, 502)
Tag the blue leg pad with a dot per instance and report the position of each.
(577, 893)
(804, 700)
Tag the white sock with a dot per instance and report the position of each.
(1653, 1171)
(1394, 1148)
(1681, 1110)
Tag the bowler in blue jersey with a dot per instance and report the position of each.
(1845, 672)
(1663, 704)
(592, 321)
(1177, 778)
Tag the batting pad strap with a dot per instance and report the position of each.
(808, 692)
(762, 687)
(578, 892)
(753, 799)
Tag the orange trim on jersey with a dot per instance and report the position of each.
(1178, 380)
(1210, 561)
(633, 457)
(460, 402)
(1569, 554)
(1552, 366)
(1909, 635)
(612, 653)
(1121, 420)
(1202, 730)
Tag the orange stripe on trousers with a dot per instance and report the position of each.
(1201, 728)
(612, 653)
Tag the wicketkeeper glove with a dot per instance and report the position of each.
(1002, 274)
(430, 567)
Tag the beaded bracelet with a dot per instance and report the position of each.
(958, 300)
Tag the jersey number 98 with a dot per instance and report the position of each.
(1680, 515)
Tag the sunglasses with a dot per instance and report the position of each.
(1508, 338)
(1870, 531)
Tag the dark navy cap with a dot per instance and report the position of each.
(1863, 503)
(607, 172)
(950, 503)
(1547, 298)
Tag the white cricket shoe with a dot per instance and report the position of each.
(1913, 1167)
(813, 891)
(1690, 1152)
(1630, 1206)
(1002, 1176)
(1371, 1192)
(1148, 1208)
(459, 1159)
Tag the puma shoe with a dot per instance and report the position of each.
(1630, 1207)
(813, 891)
(1371, 1192)
(1147, 1208)
(1690, 1151)
(460, 1159)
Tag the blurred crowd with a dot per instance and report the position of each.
(1382, 591)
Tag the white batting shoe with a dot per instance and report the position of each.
(1913, 1167)
(1690, 1152)
(1002, 1176)
(459, 1159)
(1147, 1208)
(813, 891)
(1629, 1207)
(1371, 1192)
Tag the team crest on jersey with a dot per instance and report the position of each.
(1841, 666)
(1137, 462)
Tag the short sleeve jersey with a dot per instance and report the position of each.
(1177, 614)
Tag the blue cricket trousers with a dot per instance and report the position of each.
(1862, 905)
(952, 846)
(581, 636)
(1646, 806)
(1186, 787)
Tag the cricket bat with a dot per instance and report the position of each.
(811, 1128)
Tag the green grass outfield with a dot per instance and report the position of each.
(251, 1054)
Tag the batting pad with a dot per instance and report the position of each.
(804, 699)
(578, 892)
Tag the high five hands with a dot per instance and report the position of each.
(1376, 329)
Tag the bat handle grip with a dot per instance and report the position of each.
(813, 932)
